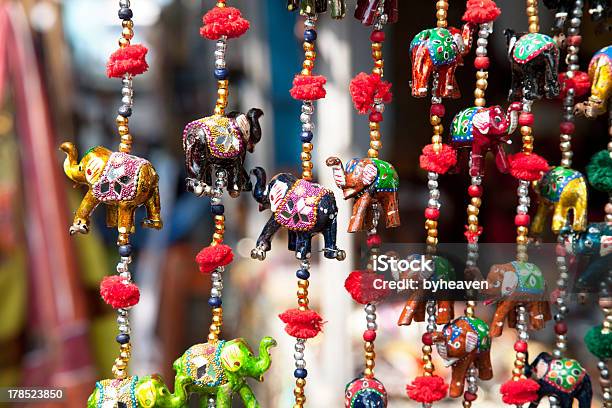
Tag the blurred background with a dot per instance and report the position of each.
(54, 328)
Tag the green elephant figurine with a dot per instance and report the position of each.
(562, 191)
(139, 392)
(121, 181)
(219, 369)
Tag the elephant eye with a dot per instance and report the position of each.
(457, 344)
(497, 284)
(236, 363)
(497, 119)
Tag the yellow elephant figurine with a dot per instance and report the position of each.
(563, 191)
(600, 74)
(121, 181)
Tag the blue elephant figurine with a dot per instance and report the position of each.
(303, 207)
(594, 244)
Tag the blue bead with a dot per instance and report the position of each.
(302, 274)
(300, 373)
(125, 111)
(217, 209)
(125, 13)
(221, 73)
(214, 301)
(122, 338)
(310, 35)
(306, 136)
(125, 250)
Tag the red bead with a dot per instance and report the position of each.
(369, 335)
(526, 119)
(475, 191)
(481, 62)
(375, 117)
(567, 128)
(574, 40)
(432, 213)
(427, 339)
(437, 109)
(521, 220)
(520, 346)
(469, 396)
(560, 328)
(560, 250)
(373, 240)
(377, 36)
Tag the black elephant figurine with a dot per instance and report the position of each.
(594, 248)
(563, 378)
(534, 59)
(303, 207)
(220, 142)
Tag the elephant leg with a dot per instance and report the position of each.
(264, 241)
(303, 245)
(536, 317)
(579, 221)
(460, 369)
(390, 206)
(422, 67)
(245, 181)
(501, 159)
(497, 325)
(447, 83)
(445, 312)
(539, 220)
(153, 208)
(224, 396)
(412, 306)
(360, 208)
(479, 149)
(331, 250)
(551, 74)
(248, 398)
(111, 216)
(483, 363)
(292, 240)
(125, 223)
(233, 182)
(565, 400)
(585, 393)
(80, 222)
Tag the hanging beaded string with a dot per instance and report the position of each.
(310, 36)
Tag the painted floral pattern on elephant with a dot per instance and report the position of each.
(117, 393)
(365, 393)
(461, 127)
(565, 374)
(387, 179)
(298, 209)
(530, 46)
(554, 181)
(440, 45)
(119, 179)
(530, 279)
(202, 363)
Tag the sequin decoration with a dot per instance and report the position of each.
(203, 364)
(565, 374)
(119, 179)
(297, 210)
(223, 136)
(117, 393)
(365, 393)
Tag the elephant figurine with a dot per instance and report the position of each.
(370, 181)
(534, 60)
(139, 392)
(220, 142)
(562, 191)
(219, 369)
(513, 284)
(564, 378)
(595, 246)
(311, 8)
(598, 9)
(439, 50)
(484, 130)
(303, 207)
(462, 343)
(121, 181)
(600, 74)
(414, 308)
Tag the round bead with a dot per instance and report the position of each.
(481, 62)
(125, 250)
(125, 111)
(310, 35)
(306, 136)
(427, 339)
(574, 40)
(300, 373)
(567, 128)
(302, 274)
(432, 213)
(437, 109)
(469, 396)
(125, 13)
(122, 338)
(475, 191)
(375, 117)
(526, 119)
(214, 301)
(221, 73)
(560, 328)
(520, 346)
(369, 335)
(217, 209)
(521, 220)
(377, 36)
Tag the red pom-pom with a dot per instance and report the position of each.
(308, 87)
(481, 11)
(360, 285)
(427, 389)
(373, 240)
(211, 257)
(439, 162)
(118, 293)
(128, 60)
(519, 392)
(528, 167)
(302, 324)
(579, 82)
(365, 88)
(223, 21)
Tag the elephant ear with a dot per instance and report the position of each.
(370, 172)
(481, 121)
(509, 283)
(232, 355)
(471, 341)
(146, 396)
(541, 369)
(277, 193)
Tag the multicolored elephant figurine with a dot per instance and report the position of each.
(414, 308)
(303, 207)
(218, 143)
(513, 284)
(562, 191)
(600, 74)
(121, 181)
(534, 59)
(462, 343)
(370, 182)
(365, 392)
(484, 130)
(139, 392)
(563, 378)
(439, 50)
(594, 246)
(219, 369)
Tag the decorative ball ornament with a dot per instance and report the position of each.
(365, 392)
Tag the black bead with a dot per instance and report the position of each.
(122, 338)
(300, 373)
(302, 274)
(217, 209)
(214, 301)
(125, 13)
(125, 111)
(125, 250)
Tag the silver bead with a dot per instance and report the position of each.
(126, 276)
(604, 374)
(304, 118)
(433, 203)
(219, 63)
(379, 107)
(127, 101)
(122, 267)
(300, 346)
(557, 353)
(434, 193)
(524, 200)
(300, 363)
(124, 328)
(370, 308)
(370, 317)
(214, 292)
(122, 320)
(308, 127)
(308, 108)
(431, 184)
(372, 326)
(433, 175)
(481, 51)
(298, 356)
(601, 365)
(124, 3)
(127, 81)
(126, 91)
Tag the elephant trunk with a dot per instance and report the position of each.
(253, 116)
(512, 116)
(336, 166)
(260, 188)
(71, 166)
(263, 361)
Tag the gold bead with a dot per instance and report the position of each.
(377, 55)
(219, 110)
(517, 371)
(476, 201)
(480, 102)
(218, 237)
(519, 363)
(438, 129)
(433, 241)
(368, 372)
(432, 232)
(307, 175)
(482, 74)
(522, 240)
(307, 165)
(522, 230)
(123, 42)
(370, 355)
(127, 33)
(534, 28)
(442, 5)
(434, 120)
(426, 349)
(125, 355)
(123, 130)
(373, 126)
(376, 46)
(303, 283)
(472, 219)
(429, 367)
(305, 156)
(376, 144)
(218, 320)
(222, 92)
(533, 20)
(308, 64)
(126, 139)
(120, 374)
(473, 228)
(472, 210)
(307, 147)
(308, 46)
(311, 55)
(127, 24)
(479, 93)
(121, 120)
(436, 139)
(481, 83)
(441, 24)
(377, 71)
(431, 224)
(125, 148)
(370, 364)
(437, 147)
(441, 14)
(374, 135)
(302, 293)
(300, 382)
